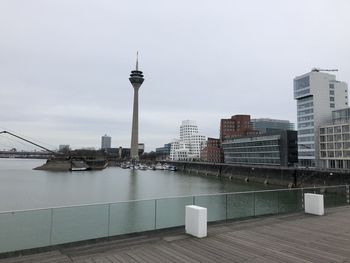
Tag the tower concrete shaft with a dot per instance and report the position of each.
(136, 80)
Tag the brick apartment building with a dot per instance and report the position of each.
(236, 126)
(212, 153)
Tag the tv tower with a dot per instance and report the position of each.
(136, 80)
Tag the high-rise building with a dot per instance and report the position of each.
(266, 125)
(188, 148)
(136, 79)
(106, 142)
(236, 126)
(317, 95)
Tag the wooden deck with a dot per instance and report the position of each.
(290, 238)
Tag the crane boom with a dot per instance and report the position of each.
(37, 145)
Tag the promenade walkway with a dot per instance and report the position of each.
(289, 238)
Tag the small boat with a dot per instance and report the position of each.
(159, 166)
(143, 167)
(125, 166)
(78, 166)
(172, 168)
(77, 169)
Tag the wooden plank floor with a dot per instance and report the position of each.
(289, 238)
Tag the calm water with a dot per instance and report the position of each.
(24, 188)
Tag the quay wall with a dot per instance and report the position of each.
(282, 176)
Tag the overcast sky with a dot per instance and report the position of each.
(64, 64)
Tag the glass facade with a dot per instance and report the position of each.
(277, 149)
(265, 125)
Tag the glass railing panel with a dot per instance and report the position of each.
(215, 204)
(132, 217)
(266, 203)
(24, 230)
(240, 205)
(171, 211)
(290, 201)
(72, 224)
(334, 196)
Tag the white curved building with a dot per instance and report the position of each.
(188, 148)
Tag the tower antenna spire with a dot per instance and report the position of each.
(137, 60)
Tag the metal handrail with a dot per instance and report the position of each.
(173, 197)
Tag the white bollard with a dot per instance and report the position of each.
(196, 221)
(314, 204)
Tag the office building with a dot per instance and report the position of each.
(163, 153)
(236, 126)
(188, 147)
(317, 95)
(335, 141)
(277, 148)
(106, 142)
(212, 151)
(266, 125)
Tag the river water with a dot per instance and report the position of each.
(24, 188)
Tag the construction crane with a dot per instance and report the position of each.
(37, 145)
(318, 70)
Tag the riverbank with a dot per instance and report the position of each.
(280, 176)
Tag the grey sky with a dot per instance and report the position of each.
(64, 64)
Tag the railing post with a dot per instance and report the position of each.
(155, 214)
(226, 208)
(254, 202)
(51, 226)
(193, 200)
(278, 203)
(109, 219)
(347, 194)
(302, 198)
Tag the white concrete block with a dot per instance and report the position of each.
(314, 204)
(196, 221)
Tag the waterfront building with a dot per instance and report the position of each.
(106, 142)
(236, 126)
(334, 139)
(265, 125)
(317, 95)
(188, 147)
(212, 151)
(136, 79)
(163, 153)
(278, 148)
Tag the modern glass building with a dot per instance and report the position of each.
(265, 125)
(278, 149)
(317, 95)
